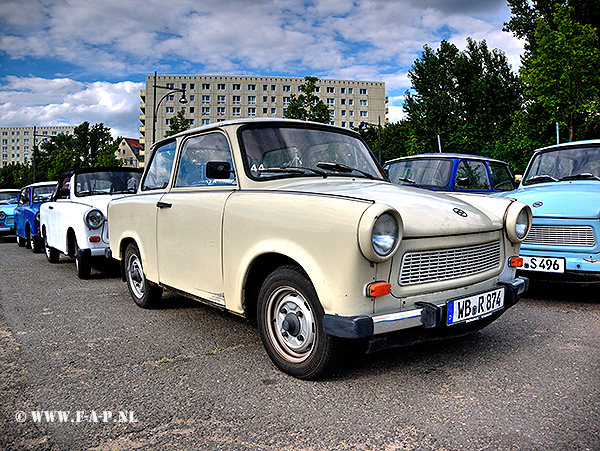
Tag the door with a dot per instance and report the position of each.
(190, 217)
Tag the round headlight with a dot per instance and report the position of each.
(385, 235)
(379, 232)
(2, 215)
(518, 221)
(94, 218)
(37, 216)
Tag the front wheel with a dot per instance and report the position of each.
(21, 241)
(290, 322)
(83, 263)
(144, 293)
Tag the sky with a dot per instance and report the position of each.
(63, 62)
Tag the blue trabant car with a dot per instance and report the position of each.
(27, 214)
(562, 187)
(451, 172)
(8, 202)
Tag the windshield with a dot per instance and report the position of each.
(106, 182)
(9, 197)
(275, 152)
(568, 163)
(433, 172)
(43, 193)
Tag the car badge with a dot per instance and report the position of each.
(459, 212)
(537, 204)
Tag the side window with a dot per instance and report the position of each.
(159, 171)
(197, 152)
(471, 175)
(501, 177)
(23, 198)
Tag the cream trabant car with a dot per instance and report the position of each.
(295, 225)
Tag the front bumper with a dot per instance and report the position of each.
(426, 316)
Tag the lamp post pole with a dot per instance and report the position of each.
(35, 146)
(182, 100)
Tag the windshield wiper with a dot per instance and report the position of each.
(582, 176)
(405, 180)
(540, 179)
(293, 170)
(343, 168)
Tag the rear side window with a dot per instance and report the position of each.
(472, 175)
(159, 171)
(501, 177)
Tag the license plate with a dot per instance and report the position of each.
(543, 264)
(475, 306)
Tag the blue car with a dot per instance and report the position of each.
(27, 214)
(562, 187)
(8, 202)
(451, 172)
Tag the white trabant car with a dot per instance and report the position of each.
(73, 222)
(294, 224)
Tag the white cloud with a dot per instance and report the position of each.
(39, 101)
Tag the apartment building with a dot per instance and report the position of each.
(212, 98)
(16, 143)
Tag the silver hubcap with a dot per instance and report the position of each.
(291, 324)
(135, 275)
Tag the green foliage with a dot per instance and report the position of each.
(179, 123)
(465, 97)
(394, 139)
(561, 73)
(88, 146)
(307, 105)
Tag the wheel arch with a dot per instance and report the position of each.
(121, 257)
(257, 272)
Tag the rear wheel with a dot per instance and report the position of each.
(52, 254)
(144, 293)
(21, 241)
(36, 244)
(290, 321)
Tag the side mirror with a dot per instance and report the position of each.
(218, 170)
(462, 181)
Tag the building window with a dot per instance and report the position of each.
(205, 99)
(265, 110)
(251, 87)
(237, 100)
(205, 86)
(191, 121)
(170, 98)
(330, 102)
(192, 98)
(287, 88)
(273, 99)
(252, 100)
(236, 87)
(205, 111)
(330, 90)
(351, 113)
(350, 101)
(363, 91)
(265, 88)
(343, 90)
(237, 111)
(192, 86)
(343, 113)
(168, 122)
(265, 99)
(364, 114)
(251, 112)
(286, 100)
(183, 85)
(363, 103)
(221, 87)
(221, 111)
(273, 87)
(273, 110)
(192, 110)
(169, 109)
(170, 85)
(350, 90)
(221, 100)
(205, 121)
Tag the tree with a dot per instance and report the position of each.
(467, 98)
(307, 106)
(394, 139)
(178, 124)
(561, 73)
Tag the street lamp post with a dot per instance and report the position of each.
(35, 146)
(182, 100)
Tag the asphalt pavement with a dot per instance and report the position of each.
(186, 376)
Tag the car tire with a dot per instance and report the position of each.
(290, 322)
(21, 241)
(144, 293)
(52, 254)
(27, 237)
(36, 244)
(83, 263)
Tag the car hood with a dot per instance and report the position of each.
(8, 208)
(99, 201)
(577, 199)
(424, 213)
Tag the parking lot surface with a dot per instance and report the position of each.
(82, 367)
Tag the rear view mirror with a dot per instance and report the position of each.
(462, 181)
(218, 169)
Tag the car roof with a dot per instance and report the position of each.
(50, 183)
(445, 155)
(107, 169)
(592, 142)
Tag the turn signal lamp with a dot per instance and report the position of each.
(378, 289)
(515, 262)
(94, 239)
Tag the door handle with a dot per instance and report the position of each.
(160, 204)
(50, 208)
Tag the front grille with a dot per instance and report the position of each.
(439, 265)
(561, 236)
